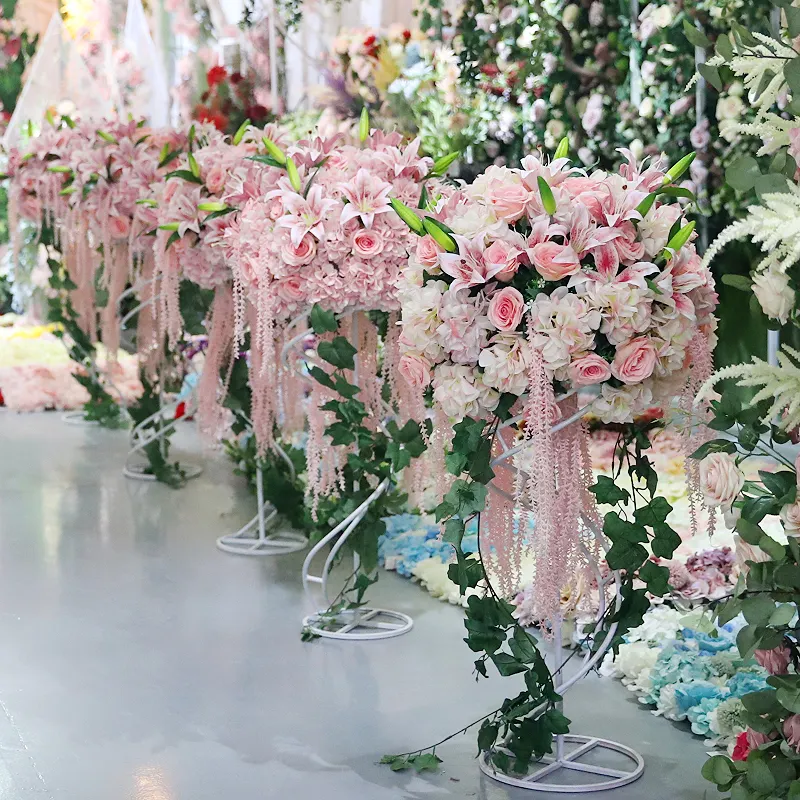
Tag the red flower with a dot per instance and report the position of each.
(236, 77)
(12, 47)
(369, 41)
(216, 75)
(256, 112)
(406, 34)
(2, 399)
(490, 70)
(742, 748)
(180, 410)
(203, 114)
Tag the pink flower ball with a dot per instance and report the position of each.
(635, 361)
(506, 308)
(554, 261)
(589, 369)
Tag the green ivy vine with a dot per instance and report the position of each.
(521, 730)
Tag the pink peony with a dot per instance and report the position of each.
(776, 661)
(791, 730)
(415, 369)
(300, 254)
(635, 361)
(588, 370)
(506, 308)
(427, 251)
(554, 261)
(367, 243)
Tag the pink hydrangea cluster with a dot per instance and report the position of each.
(331, 238)
(548, 267)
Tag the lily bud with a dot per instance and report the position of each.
(439, 235)
(679, 240)
(169, 226)
(239, 135)
(194, 167)
(548, 201)
(363, 125)
(294, 175)
(212, 205)
(675, 171)
(274, 151)
(441, 165)
(562, 151)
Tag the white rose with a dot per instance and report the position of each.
(790, 517)
(720, 479)
(647, 108)
(774, 294)
(570, 15)
(729, 107)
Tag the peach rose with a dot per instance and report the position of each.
(119, 227)
(503, 255)
(415, 369)
(635, 361)
(506, 308)
(508, 200)
(588, 370)
(427, 251)
(301, 254)
(790, 517)
(367, 243)
(554, 261)
(720, 479)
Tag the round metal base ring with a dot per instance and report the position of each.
(597, 778)
(360, 625)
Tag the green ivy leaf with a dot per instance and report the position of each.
(607, 492)
(322, 321)
(339, 353)
(426, 762)
(507, 664)
(487, 735)
(656, 578)
(654, 513)
(454, 531)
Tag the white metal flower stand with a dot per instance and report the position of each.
(360, 624)
(586, 758)
(255, 538)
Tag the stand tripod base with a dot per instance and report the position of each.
(359, 625)
(570, 767)
(138, 472)
(251, 540)
(77, 418)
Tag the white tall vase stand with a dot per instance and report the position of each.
(358, 624)
(573, 754)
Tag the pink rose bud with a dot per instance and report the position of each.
(776, 661)
(506, 308)
(554, 261)
(635, 361)
(791, 730)
(588, 370)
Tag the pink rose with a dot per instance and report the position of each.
(791, 730)
(427, 251)
(508, 200)
(588, 370)
(502, 255)
(554, 261)
(776, 661)
(291, 290)
(297, 256)
(721, 480)
(215, 179)
(635, 361)
(415, 369)
(119, 227)
(367, 243)
(505, 309)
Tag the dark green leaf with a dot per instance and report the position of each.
(323, 321)
(711, 74)
(607, 492)
(695, 35)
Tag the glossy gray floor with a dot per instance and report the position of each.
(137, 661)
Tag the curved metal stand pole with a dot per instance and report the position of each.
(253, 539)
(566, 761)
(357, 624)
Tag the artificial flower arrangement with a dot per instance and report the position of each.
(527, 288)
(229, 101)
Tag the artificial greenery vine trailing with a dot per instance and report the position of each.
(767, 594)
(378, 451)
(521, 730)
